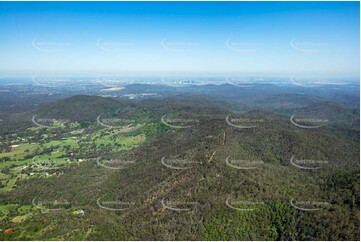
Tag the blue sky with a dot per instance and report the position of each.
(89, 38)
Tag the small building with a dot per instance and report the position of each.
(79, 213)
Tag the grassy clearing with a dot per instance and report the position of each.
(19, 219)
(115, 139)
(62, 143)
(20, 151)
(120, 143)
(4, 210)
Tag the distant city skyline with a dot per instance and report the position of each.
(105, 38)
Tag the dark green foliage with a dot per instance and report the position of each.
(203, 189)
